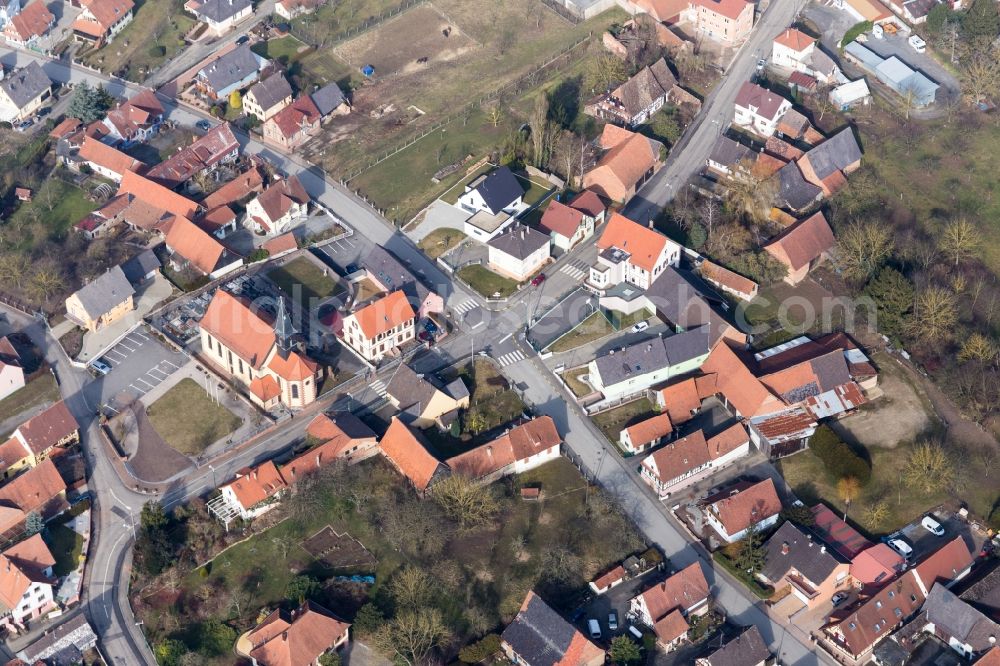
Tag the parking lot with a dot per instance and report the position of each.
(345, 251)
(139, 362)
(924, 542)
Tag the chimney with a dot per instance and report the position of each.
(822, 549)
(489, 451)
(784, 548)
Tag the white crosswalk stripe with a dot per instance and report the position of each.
(511, 358)
(465, 306)
(379, 387)
(574, 270)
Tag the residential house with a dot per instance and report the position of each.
(646, 434)
(758, 109)
(566, 225)
(340, 436)
(330, 101)
(63, 644)
(52, 427)
(268, 96)
(135, 121)
(24, 28)
(254, 491)
(150, 205)
(947, 565)
(207, 153)
(390, 274)
(629, 252)
(849, 95)
(539, 636)
(279, 207)
(727, 22)
(665, 606)
(293, 125)
(219, 15)
(801, 247)
(518, 252)
(676, 464)
(102, 301)
(407, 450)
(635, 101)
(297, 638)
(794, 561)
(11, 370)
(797, 51)
(796, 193)
(380, 327)
(495, 192)
(290, 9)
(191, 247)
(827, 165)
(733, 511)
(107, 161)
(966, 630)
(628, 161)
(728, 157)
(23, 91)
(26, 583)
(8, 10)
(265, 357)
(875, 566)
(65, 128)
(635, 368)
(422, 402)
(141, 268)
(233, 70)
(747, 649)
(522, 448)
(681, 400)
(106, 218)
(101, 20)
(39, 490)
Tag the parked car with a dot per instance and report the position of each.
(901, 547)
(640, 327)
(44, 111)
(918, 44)
(761, 64)
(932, 526)
(613, 621)
(242, 39)
(839, 598)
(203, 125)
(100, 366)
(538, 279)
(635, 632)
(877, 31)
(24, 124)
(351, 268)
(595, 628)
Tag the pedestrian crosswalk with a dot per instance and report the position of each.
(511, 358)
(379, 387)
(575, 269)
(464, 307)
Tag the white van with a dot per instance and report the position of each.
(595, 628)
(901, 547)
(635, 632)
(932, 526)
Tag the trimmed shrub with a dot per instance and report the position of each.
(837, 457)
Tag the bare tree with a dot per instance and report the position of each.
(605, 71)
(411, 589)
(848, 489)
(959, 240)
(929, 468)
(495, 113)
(541, 132)
(979, 71)
(876, 514)
(935, 315)
(412, 635)
(862, 248)
(466, 501)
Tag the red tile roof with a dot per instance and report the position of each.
(280, 244)
(838, 534)
(46, 429)
(293, 367)
(945, 565)
(727, 278)
(217, 145)
(727, 441)
(879, 615)
(607, 578)
(738, 384)
(279, 197)
(991, 658)
(32, 21)
(747, 507)
(253, 485)
(876, 565)
(680, 456)
(302, 112)
(794, 39)
(731, 9)
(629, 155)
(108, 12)
(236, 190)
(803, 242)
(156, 195)
(384, 314)
(684, 590)
(194, 245)
(589, 203)
(671, 627)
(561, 219)
(20, 566)
(137, 113)
(38, 490)
(517, 444)
(643, 244)
(65, 128)
(404, 448)
(265, 387)
(231, 320)
(651, 429)
(107, 157)
(279, 642)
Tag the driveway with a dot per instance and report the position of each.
(439, 215)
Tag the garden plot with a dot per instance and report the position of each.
(338, 551)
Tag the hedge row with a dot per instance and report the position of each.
(837, 457)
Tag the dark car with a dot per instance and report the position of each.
(203, 125)
(538, 279)
(351, 269)
(44, 111)
(243, 39)
(430, 327)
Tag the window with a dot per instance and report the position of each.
(241, 366)
(295, 391)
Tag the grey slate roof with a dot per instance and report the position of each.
(391, 272)
(538, 634)
(230, 68)
(835, 154)
(684, 300)
(652, 355)
(953, 617)
(499, 189)
(728, 152)
(414, 393)
(352, 426)
(271, 90)
(104, 293)
(138, 267)
(649, 84)
(747, 649)
(519, 241)
(795, 191)
(328, 98)
(984, 594)
(805, 555)
(25, 84)
(221, 10)
(64, 645)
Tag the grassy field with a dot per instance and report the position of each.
(58, 205)
(66, 546)
(594, 327)
(486, 282)
(154, 36)
(440, 241)
(613, 421)
(39, 390)
(188, 420)
(305, 280)
(575, 382)
(285, 50)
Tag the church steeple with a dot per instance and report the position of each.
(283, 329)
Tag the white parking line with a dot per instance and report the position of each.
(112, 409)
(170, 364)
(111, 361)
(158, 371)
(140, 379)
(137, 343)
(138, 390)
(122, 344)
(141, 335)
(115, 351)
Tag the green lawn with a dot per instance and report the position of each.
(58, 205)
(66, 546)
(188, 420)
(302, 279)
(285, 50)
(39, 390)
(486, 282)
(154, 36)
(575, 382)
(613, 421)
(594, 327)
(440, 241)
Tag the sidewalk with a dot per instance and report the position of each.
(147, 297)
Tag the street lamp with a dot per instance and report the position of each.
(214, 484)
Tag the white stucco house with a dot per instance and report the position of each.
(519, 252)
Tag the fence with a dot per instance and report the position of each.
(513, 88)
(608, 405)
(302, 30)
